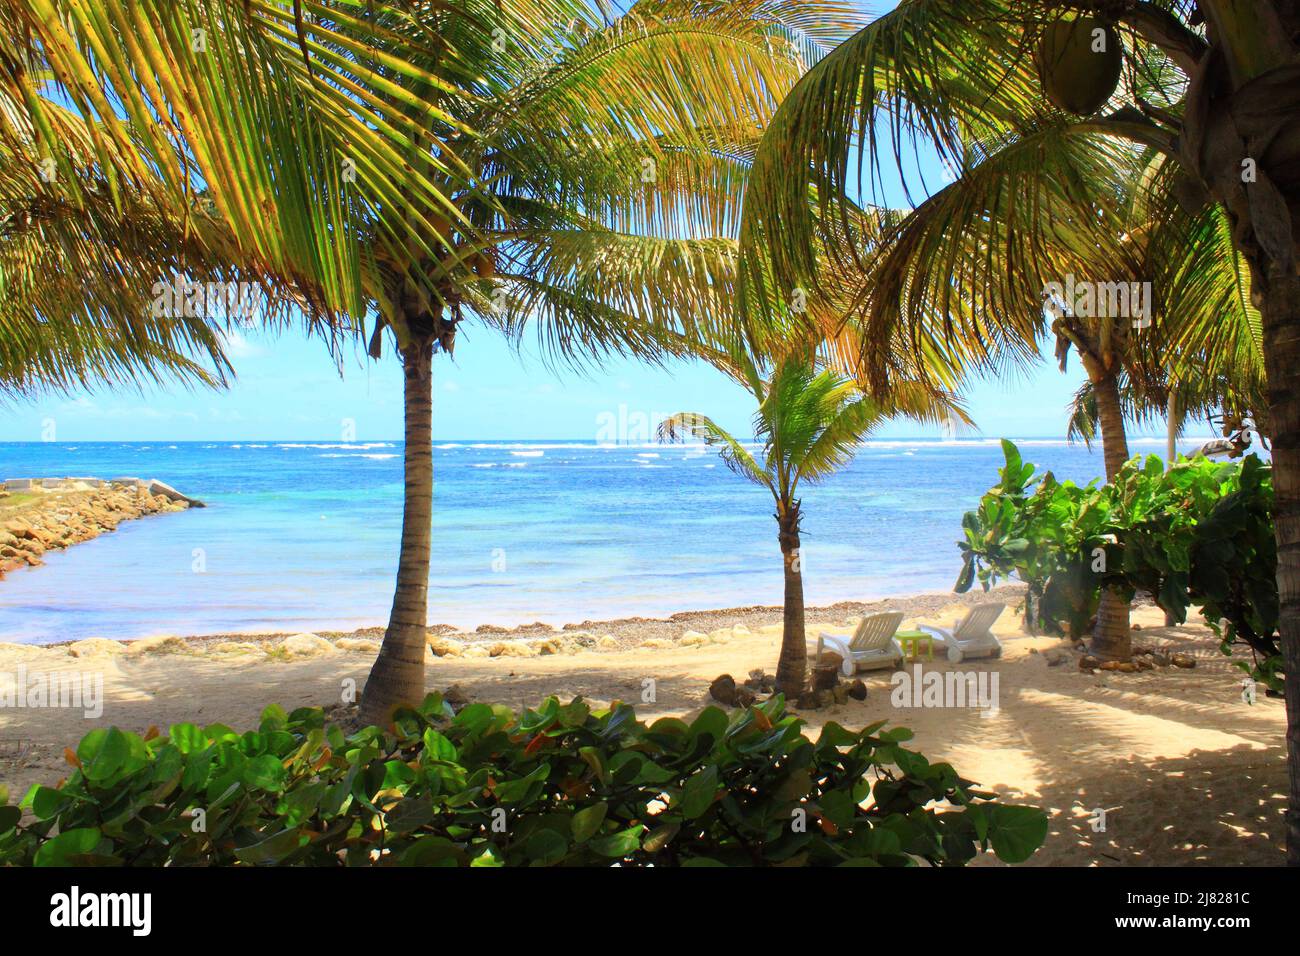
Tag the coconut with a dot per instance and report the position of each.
(1079, 63)
(483, 266)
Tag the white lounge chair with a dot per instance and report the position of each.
(869, 647)
(972, 636)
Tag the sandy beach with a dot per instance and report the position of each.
(1187, 772)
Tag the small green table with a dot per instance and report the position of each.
(910, 641)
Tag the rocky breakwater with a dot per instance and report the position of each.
(49, 514)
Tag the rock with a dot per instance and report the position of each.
(723, 689)
(456, 696)
(829, 659)
(825, 676)
(824, 698)
(1122, 667)
(96, 647)
(656, 642)
(442, 647)
(721, 636)
(490, 629)
(358, 645)
(1144, 663)
(1160, 658)
(745, 696)
(807, 701)
(693, 639)
(549, 646)
(10, 651)
(511, 649)
(156, 487)
(476, 650)
(607, 642)
(1055, 656)
(741, 630)
(858, 689)
(306, 645)
(1182, 660)
(1088, 663)
(157, 645)
(841, 693)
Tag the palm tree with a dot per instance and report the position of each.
(809, 423)
(1210, 85)
(604, 209)
(538, 165)
(265, 134)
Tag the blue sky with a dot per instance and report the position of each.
(287, 387)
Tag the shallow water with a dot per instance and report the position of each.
(304, 535)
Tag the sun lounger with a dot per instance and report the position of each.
(972, 636)
(869, 647)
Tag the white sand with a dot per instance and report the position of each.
(1187, 772)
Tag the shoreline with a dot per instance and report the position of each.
(1187, 771)
(627, 631)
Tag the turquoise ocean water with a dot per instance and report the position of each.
(303, 535)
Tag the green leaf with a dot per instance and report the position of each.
(697, 795)
(438, 747)
(1016, 832)
(273, 849)
(623, 843)
(409, 814)
(587, 821)
(265, 773)
(9, 817)
(546, 847)
(64, 849)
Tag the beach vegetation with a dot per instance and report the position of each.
(808, 425)
(567, 784)
(1198, 534)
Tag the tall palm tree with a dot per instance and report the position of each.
(809, 423)
(1211, 85)
(1086, 214)
(602, 211)
(539, 164)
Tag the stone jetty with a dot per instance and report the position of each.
(38, 515)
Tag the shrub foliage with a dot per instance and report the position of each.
(560, 785)
(1199, 534)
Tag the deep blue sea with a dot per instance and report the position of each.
(302, 535)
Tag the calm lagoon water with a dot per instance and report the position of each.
(303, 535)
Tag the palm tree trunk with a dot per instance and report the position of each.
(792, 667)
(1171, 428)
(1172, 424)
(397, 676)
(1111, 638)
(1278, 297)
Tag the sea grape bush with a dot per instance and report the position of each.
(1199, 534)
(561, 785)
